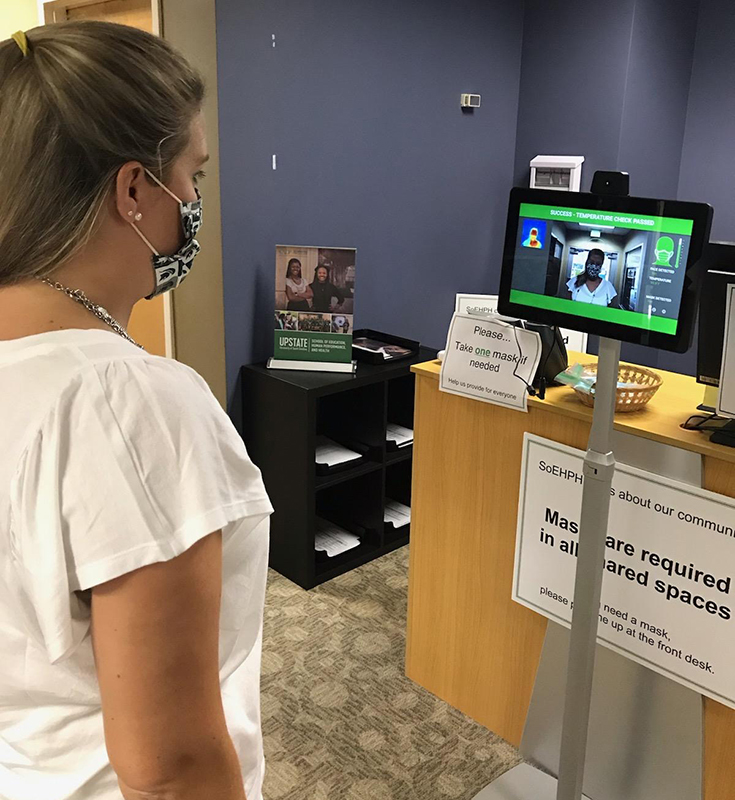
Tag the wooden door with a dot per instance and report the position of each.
(149, 320)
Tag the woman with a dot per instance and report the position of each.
(133, 525)
(323, 290)
(588, 286)
(298, 290)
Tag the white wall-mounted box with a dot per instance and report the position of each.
(560, 173)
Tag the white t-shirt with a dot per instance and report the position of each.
(297, 288)
(602, 295)
(112, 459)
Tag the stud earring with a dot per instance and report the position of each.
(138, 216)
(130, 213)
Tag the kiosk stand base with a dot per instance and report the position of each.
(523, 782)
(645, 731)
(645, 739)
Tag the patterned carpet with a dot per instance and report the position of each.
(340, 719)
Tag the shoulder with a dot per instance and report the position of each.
(131, 384)
(154, 380)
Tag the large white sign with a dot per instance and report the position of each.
(667, 592)
(490, 360)
(485, 305)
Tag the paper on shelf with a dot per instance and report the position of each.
(333, 539)
(331, 453)
(397, 513)
(398, 434)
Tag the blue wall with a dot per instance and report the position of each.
(360, 102)
(573, 79)
(707, 171)
(656, 95)
(708, 159)
(618, 96)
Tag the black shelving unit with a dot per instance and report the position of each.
(284, 412)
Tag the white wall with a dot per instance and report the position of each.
(17, 15)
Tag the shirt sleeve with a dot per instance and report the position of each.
(135, 463)
(611, 293)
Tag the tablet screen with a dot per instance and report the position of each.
(621, 268)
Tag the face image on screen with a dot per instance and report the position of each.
(620, 268)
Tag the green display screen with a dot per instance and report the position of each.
(625, 269)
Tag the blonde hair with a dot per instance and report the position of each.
(85, 99)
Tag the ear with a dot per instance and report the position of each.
(129, 185)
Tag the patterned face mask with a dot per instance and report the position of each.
(593, 270)
(170, 271)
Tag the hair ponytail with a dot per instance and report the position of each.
(86, 98)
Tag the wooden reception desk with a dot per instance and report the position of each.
(468, 642)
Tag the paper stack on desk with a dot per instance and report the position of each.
(333, 539)
(331, 453)
(398, 434)
(397, 513)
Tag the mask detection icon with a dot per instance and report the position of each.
(665, 252)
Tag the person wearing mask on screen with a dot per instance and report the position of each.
(324, 290)
(134, 528)
(298, 291)
(589, 286)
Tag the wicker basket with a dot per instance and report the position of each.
(627, 399)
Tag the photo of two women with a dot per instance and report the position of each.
(315, 279)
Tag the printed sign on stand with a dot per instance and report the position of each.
(314, 306)
(490, 360)
(484, 305)
(667, 594)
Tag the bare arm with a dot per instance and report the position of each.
(155, 636)
(213, 781)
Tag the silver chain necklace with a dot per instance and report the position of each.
(97, 310)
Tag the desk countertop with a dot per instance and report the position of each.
(659, 420)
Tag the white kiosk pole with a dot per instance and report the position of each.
(668, 725)
(675, 766)
(598, 470)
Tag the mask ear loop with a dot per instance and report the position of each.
(169, 192)
(140, 233)
(135, 227)
(165, 188)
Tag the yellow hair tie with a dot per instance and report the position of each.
(21, 40)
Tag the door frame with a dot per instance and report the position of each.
(54, 11)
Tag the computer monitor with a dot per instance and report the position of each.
(643, 251)
(717, 266)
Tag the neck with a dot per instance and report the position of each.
(97, 285)
(32, 307)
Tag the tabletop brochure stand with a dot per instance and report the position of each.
(644, 730)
